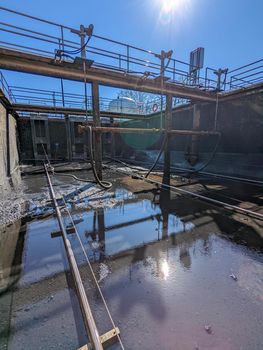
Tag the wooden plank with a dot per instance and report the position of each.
(109, 337)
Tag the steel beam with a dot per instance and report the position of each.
(36, 64)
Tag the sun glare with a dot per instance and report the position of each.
(170, 5)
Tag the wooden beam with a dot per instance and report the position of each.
(36, 64)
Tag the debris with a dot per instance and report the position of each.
(50, 298)
(104, 271)
(208, 329)
(233, 276)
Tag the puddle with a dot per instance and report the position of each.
(164, 267)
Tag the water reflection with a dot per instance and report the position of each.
(165, 269)
(133, 225)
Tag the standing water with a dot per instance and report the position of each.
(176, 273)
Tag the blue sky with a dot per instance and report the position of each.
(231, 31)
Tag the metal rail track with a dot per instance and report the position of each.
(97, 341)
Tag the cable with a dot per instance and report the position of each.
(210, 159)
(58, 174)
(73, 176)
(80, 49)
(226, 206)
(159, 155)
(103, 184)
(125, 164)
(73, 52)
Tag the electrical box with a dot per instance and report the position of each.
(196, 59)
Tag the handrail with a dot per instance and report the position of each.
(127, 58)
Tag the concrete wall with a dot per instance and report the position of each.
(240, 149)
(14, 158)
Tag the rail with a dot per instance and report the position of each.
(56, 99)
(85, 307)
(35, 35)
(39, 36)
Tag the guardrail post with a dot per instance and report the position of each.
(128, 58)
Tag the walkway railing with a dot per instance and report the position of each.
(43, 37)
(41, 97)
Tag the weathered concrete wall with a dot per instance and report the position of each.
(3, 148)
(14, 158)
(239, 152)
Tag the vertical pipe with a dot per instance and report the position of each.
(112, 139)
(62, 92)
(68, 135)
(97, 137)
(167, 152)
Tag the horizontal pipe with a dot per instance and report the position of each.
(89, 322)
(106, 129)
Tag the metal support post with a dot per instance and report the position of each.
(112, 146)
(97, 136)
(33, 137)
(82, 32)
(69, 137)
(167, 152)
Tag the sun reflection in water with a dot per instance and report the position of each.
(165, 269)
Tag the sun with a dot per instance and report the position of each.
(170, 5)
